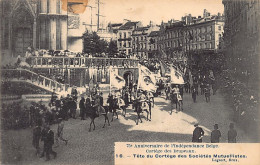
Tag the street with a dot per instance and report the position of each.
(97, 147)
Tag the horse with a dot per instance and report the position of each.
(115, 106)
(177, 100)
(143, 106)
(122, 105)
(93, 113)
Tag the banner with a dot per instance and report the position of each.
(148, 73)
(163, 68)
(116, 82)
(176, 77)
(146, 81)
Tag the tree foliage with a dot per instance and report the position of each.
(112, 48)
(93, 44)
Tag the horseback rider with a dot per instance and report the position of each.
(176, 90)
(150, 97)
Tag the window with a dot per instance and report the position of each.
(219, 27)
(120, 35)
(120, 44)
(203, 30)
(129, 44)
(209, 29)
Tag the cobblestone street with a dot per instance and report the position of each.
(97, 147)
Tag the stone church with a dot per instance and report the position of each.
(39, 24)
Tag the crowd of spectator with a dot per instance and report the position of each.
(66, 53)
(244, 99)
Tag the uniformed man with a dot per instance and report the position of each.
(82, 108)
(198, 134)
(59, 135)
(215, 134)
(36, 137)
(207, 93)
(193, 94)
(48, 142)
(232, 134)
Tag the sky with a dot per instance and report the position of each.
(157, 10)
(116, 11)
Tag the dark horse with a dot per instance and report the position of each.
(93, 113)
(143, 106)
(174, 100)
(117, 104)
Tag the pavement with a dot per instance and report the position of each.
(97, 147)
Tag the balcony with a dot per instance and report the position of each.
(81, 62)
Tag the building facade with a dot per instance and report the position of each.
(153, 44)
(191, 34)
(141, 40)
(124, 37)
(39, 24)
(241, 37)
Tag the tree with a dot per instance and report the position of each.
(112, 48)
(93, 44)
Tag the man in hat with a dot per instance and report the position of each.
(110, 102)
(82, 108)
(193, 94)
(207, 93)
(59, 135)
(48, 142)
(215, 134)
(37, 137)
(73, 107)
(232, 134)
(198, 134)
(167, 91)
(53, 96)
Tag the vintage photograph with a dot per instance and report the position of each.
(79, 75)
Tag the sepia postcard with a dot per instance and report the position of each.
(130, 82)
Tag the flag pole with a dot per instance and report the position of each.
(109, 80)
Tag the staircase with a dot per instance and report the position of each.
(24, 75)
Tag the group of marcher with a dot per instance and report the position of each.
(198, 134)
(47, 136)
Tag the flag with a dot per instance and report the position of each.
(176, 76)
(163, 68)
(145, 81)
(116, 81)
(147, 72)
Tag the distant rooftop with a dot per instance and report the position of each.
(128, 25)
(154, 33)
